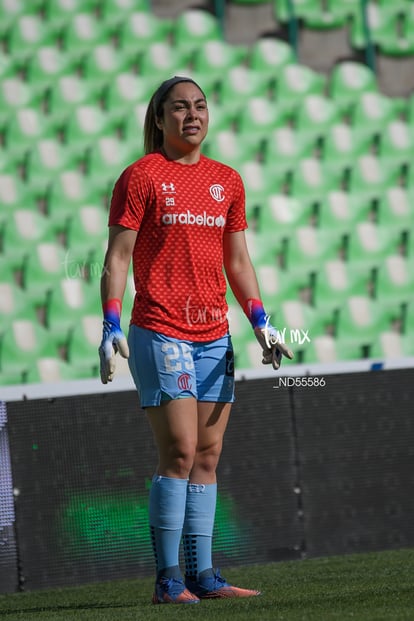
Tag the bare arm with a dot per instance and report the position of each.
(121, 243)
(239, 268)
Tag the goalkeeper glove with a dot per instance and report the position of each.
(113, 339)
(268, 337)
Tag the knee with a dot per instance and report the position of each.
(180, 459)
(206, 459)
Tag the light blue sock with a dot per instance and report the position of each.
(166, 516)
(198, 527)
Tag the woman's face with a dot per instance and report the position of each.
(185, 118)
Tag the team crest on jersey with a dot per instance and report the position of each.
(217, 192)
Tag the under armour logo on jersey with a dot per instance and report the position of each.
(168, 188)
(217, 192)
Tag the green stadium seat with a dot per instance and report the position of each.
(23, 343)
(59, 12)
(213, 58)
(27, 34)
(372, 174)
(14, 305)
(260, 180)
(369, 243)
(52, 370)
(82, 32)
(85, 232)
(309, 247)
(240, 84)
(342, 144)
(288, 145)
(15, 193)
(127, 89)
(109, 156)
(397, 207)
(294, 81)
(391, 344)
(47, 64)
(269, 55)
(15, 93)
(115, 12)
(140, 30)
(394, 280)
(316, 112)
(341, 211)
(232, 148)
(25, 127)
(277, 284)
(62, 96)
(327, 348)
(337, 280)
(397, 143)
(313, 179)
(192, 27)
(160, 59)
(371, 111)
(70, 300)
(349, 79)
(25, 229)
(83, 346)
(361, 319)
(42, 270)
(283, 213)
(87, 123)
(260, 115)
(48, 158)
(105, 62)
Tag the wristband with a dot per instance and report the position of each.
(253, 309)
(112, 311)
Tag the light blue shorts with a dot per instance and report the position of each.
(165, 368)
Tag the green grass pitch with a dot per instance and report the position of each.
(364, 587)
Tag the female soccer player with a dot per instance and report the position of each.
(181, 217)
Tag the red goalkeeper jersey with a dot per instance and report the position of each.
(180, 212)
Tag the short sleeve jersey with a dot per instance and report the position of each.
(181, 212)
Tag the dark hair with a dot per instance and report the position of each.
(153, 136)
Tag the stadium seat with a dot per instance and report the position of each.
(391, 344)
(109, 156)
(85, 232)
(232, 148)
(15, 193)
(349, 79)
(260, 115)
(214, 57)
(369, 243)
(284, 214)
(316, 112)
(87, 123)
(371, 111)
(47, 64)
(373, 174)
(25, 229)
(288, 145)
(160, 59)
(342, 144)
(42, 270)
(116, 12)
(16, 93)
(23, 343)
(313, 179)
(27, 34)
(192, 27)
(70, 91)
(14, 305)
(394, 280)
(52, 370)
(336, 280)
(240, 84)
(260, 180)
(69, 301)
(48, 158)
(341, 211)
(125, 90)
(25, 127)
(396, 207)
(294, 81)
(140, 30)
(361, 319)
(277, 285)
(82, 32)
(59, 12)
(396, 143)
(269, 55)
(105, 62)
(327, 348)
(68, 192)
(309, 247)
